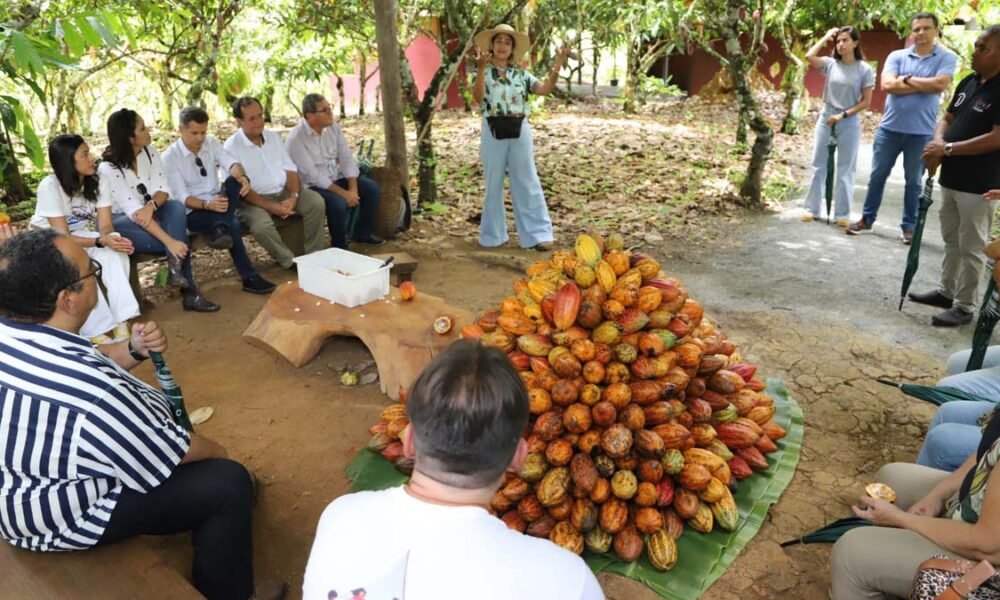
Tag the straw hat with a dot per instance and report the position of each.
(484, 41)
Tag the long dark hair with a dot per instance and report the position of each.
(856, 36)
(121, 128)
(61, 156)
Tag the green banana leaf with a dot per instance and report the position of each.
(702, 558)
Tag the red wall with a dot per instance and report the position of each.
(424, 60)
(692, 71)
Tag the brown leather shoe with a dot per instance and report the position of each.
(269, 589)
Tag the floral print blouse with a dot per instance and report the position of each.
(506, 91)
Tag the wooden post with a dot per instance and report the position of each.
(391, 87)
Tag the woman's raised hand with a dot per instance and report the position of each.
(481, 58)
(832, 33)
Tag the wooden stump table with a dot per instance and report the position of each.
(400, 336)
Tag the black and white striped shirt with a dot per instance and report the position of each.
(75, 431)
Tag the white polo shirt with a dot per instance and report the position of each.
(265, 165)
(184, 175)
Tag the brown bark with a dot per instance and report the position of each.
(391, 87)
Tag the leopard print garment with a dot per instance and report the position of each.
(928, 583)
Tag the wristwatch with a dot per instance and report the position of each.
(132, 352)
(906, 79)
(98, 243)
(948, 148)
(844, 115)
(205, 204)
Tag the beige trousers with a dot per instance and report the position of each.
(965, 226)
(260, 223)
(880, 562)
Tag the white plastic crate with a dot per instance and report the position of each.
(367, 280)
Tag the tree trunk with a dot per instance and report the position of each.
(597, 59)
(795, 93)
(363, 79)
(342, 98)
(10, 173)
(426, 164)
(392, 87)
(751, 190)
(631, 77)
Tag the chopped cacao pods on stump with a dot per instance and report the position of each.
(644, 416)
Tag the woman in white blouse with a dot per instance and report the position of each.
(68, 201)
(132, 178)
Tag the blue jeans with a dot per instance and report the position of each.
(953, 435)
(205, 221)
(848, 139)
(173, 219)
(336, 211)
(885, 151)
(516, 159)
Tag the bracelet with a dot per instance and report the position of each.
(132, 352)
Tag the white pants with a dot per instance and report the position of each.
(120, 304)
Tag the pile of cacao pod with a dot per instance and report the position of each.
(644, 416)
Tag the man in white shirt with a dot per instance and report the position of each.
(274, 185)
(433, 539)
(326, 165)
(192, 165)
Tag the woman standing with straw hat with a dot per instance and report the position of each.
(502, 89)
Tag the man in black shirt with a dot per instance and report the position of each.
(966, 146)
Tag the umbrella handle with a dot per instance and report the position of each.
(889, 382)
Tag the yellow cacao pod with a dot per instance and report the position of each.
(725, 513)
(606, 277)
(662, 550)
(584, 276)
(714, 492)
(703, 520)
(538, 267)
(587, 250)
(539, 288)
(704, 457)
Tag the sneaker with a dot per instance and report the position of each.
(807, 218)
(543, 247)
(255, 284)
(843, 223)
(372, 239)
(198, 303)
(907, 237)
(220, 239)
(932, 298)
(953, 317)
(858, 227)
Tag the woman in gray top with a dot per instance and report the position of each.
(847, 93)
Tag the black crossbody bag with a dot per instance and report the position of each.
(505, 128)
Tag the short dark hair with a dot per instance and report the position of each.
(32, 273)
(469, 408)
(992, 32)
(310, 102)
(331, 595)
(856, 36)
(192, 113)
(121, 128)
(62, 151)
(926, 15)
(240, 103)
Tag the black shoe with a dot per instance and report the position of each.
(953, 317)
(933, 298)
(372, 239)
(175, 276)
(220, 239)
(199, 303)
(255, 284)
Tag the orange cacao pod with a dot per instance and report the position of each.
(583, 472)
(628, 544)
(593, 372)
(614, 515)
(644, 392)
(514, 521)
(753, 457)
(739, 468)
(694, 477)
(645, 494)
(765, 445)
(658, 413)
(673, 435)
(564, 535)
(516, 489)
(773, 430)
(554, 487)
(648, 520)
(725, 382)
(584, 515)
(672, 524)
(541, 527)
(559, 452)
(577, 419)
(632, 417)
(549, 425)
(617, 394)
(736, 435)
(564, 393)
(624, 484)
(685, 503)
(604, 414)
(567, 306)
(539, 401)
(649, 444)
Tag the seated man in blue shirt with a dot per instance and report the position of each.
(90, 454)
(326, 165)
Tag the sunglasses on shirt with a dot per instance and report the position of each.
(201, 165)
(141, 188)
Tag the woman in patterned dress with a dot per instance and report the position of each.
(501, 89)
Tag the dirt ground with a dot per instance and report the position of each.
(297, 429)
(806, 303)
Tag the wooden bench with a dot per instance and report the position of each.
(123, 571)
(295, 324)
(403, 266)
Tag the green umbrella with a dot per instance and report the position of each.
(913, 257)
(936, 395)
(988, 315)
(829, 534)
(171, 390)
(831, 167)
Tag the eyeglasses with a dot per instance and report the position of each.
(326, 111)
(141, 188)
(201, 165)
(95, 271)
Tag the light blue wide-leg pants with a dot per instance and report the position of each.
(516, 158)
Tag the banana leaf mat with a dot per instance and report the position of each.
(702, 558)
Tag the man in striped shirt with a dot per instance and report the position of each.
(89, 454)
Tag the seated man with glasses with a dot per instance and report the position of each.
(327, 166)
(275, 193)
(192, 166)
(90, 454)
